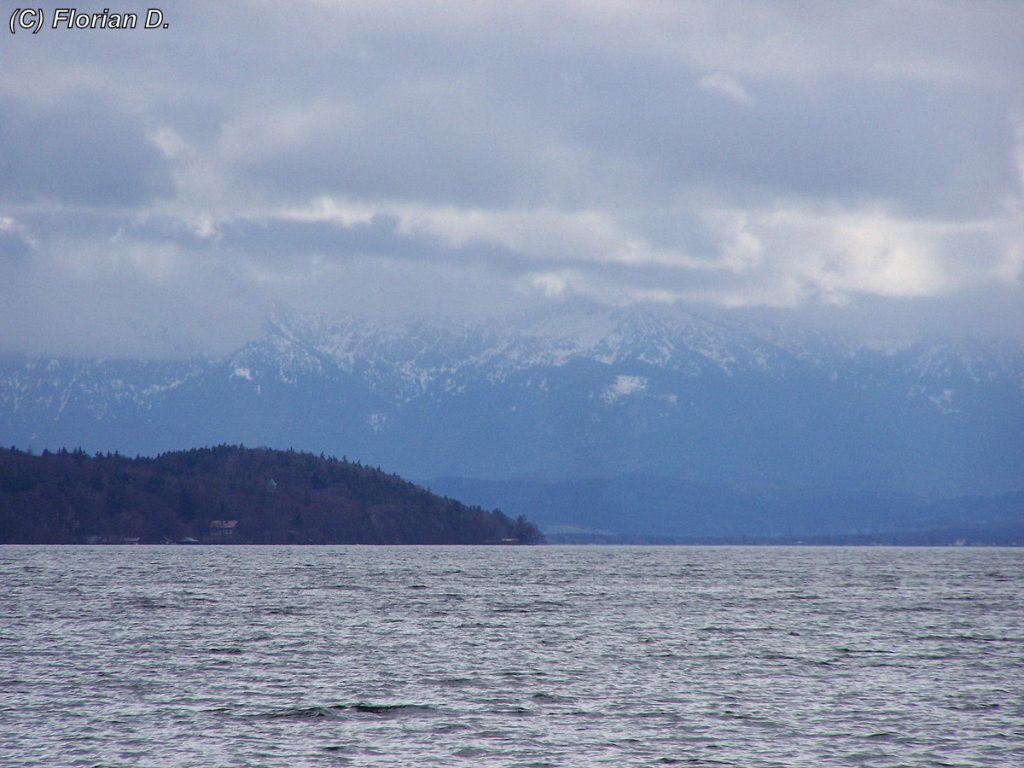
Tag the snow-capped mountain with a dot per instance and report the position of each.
(590, 393)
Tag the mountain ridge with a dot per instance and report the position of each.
(560, 397)
(646, 509)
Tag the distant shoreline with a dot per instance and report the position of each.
(230, 495)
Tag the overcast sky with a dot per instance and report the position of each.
(162, 191)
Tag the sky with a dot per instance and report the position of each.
(843, 165)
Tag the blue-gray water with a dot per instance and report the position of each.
(548, 656)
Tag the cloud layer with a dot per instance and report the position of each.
(162, 190)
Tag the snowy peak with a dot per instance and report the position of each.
(583, 393)
(501, 347)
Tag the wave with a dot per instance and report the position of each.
(333, 711)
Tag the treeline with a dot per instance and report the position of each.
(231, 494)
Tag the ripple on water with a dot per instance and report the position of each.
(753, 657)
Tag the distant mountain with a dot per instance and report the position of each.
(647, 509)
(565, 397)
(230, 495)
(573, 395)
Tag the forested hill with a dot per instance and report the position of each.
(230, 494)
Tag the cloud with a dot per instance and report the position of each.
(727, 86)
(16, 243)
(832, 254)
(477, 156)
(75, 153)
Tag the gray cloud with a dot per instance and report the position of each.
(162, 191)
(84, 152)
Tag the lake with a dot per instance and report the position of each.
(518, 656)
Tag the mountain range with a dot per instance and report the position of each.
(648, 399)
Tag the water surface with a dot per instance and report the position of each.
(546, 656)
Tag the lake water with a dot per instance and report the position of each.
(545, 656)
